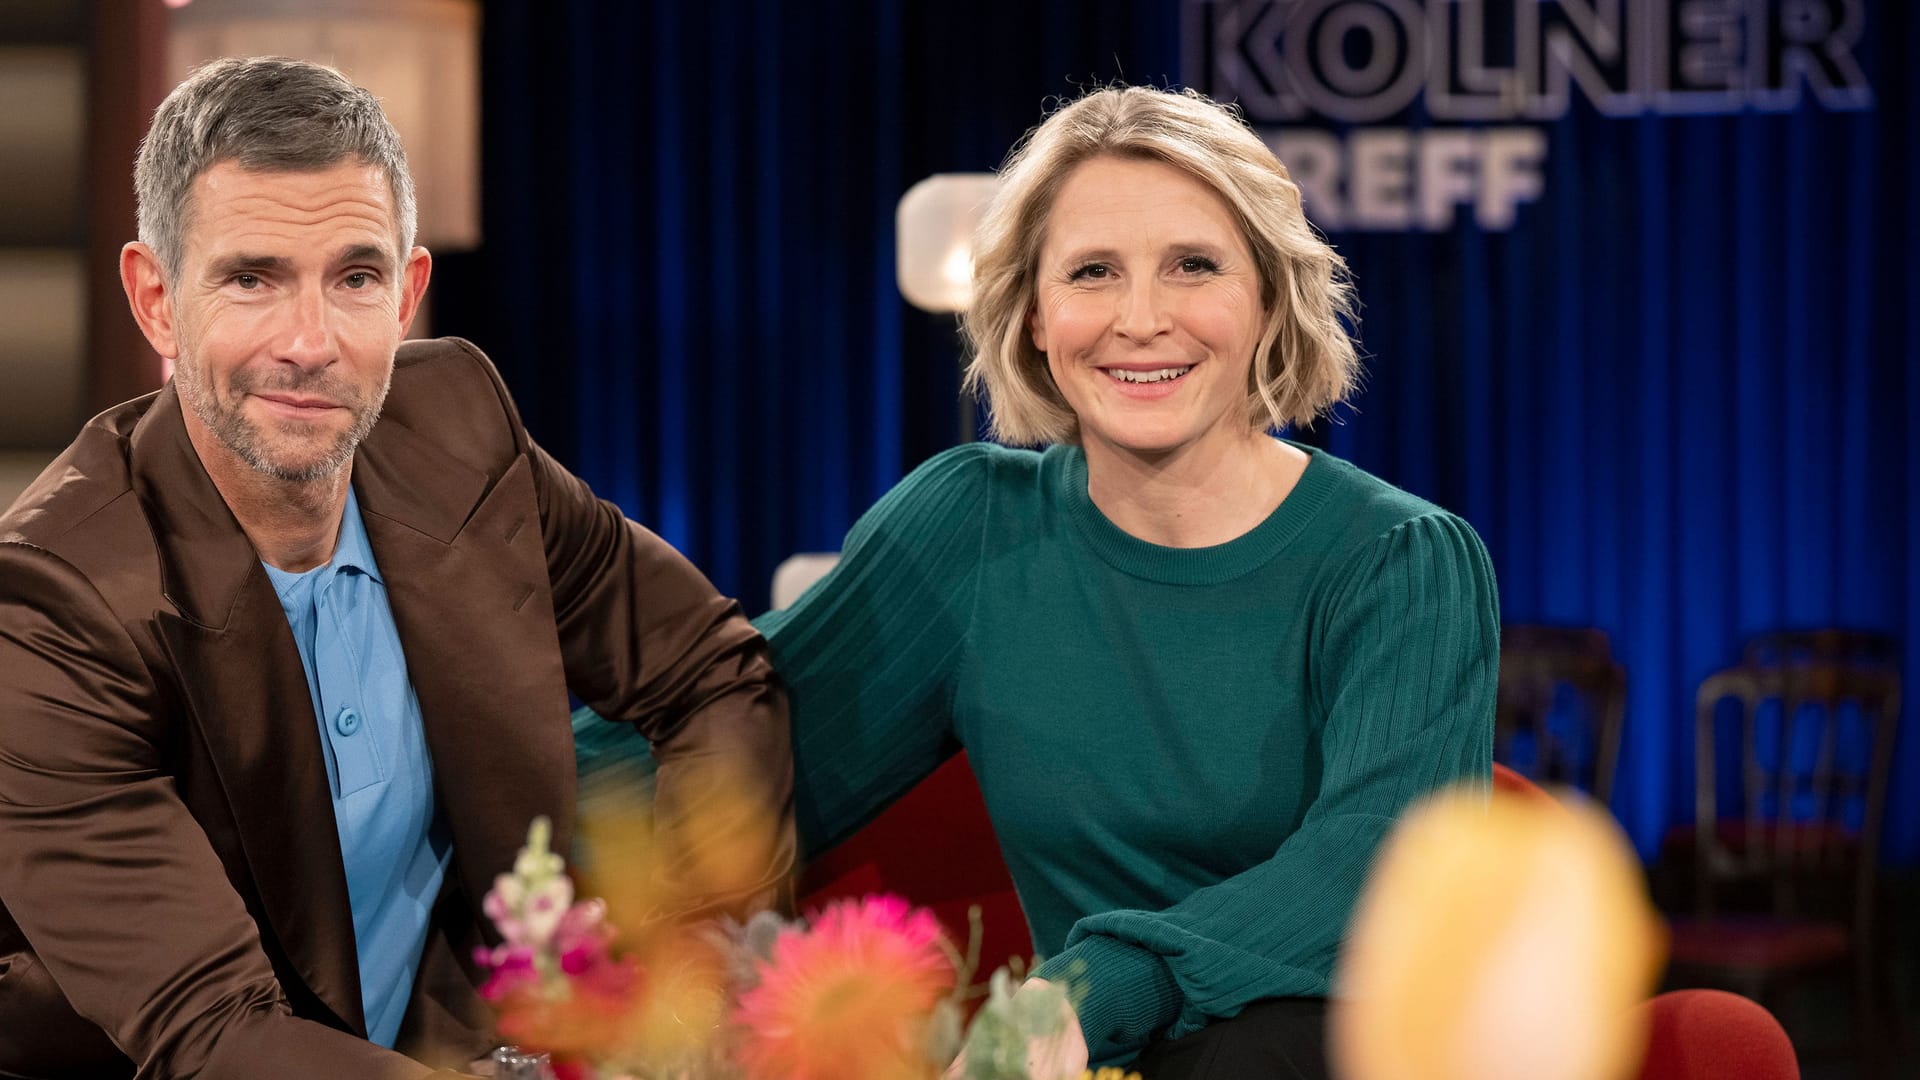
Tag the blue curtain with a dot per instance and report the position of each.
(1674, 399)
(688, 273)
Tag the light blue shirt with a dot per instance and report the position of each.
(392, 838)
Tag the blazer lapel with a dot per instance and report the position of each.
(466, 575)
(247, 692)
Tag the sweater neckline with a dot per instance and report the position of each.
(1190, 566)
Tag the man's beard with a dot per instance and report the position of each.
(246, 439)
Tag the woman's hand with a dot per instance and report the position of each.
(1062, 1056)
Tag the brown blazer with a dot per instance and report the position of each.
(172, 898)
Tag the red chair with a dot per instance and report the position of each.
(1511, 782)
(964, 868)
(1714, 1035)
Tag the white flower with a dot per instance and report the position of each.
(543, 909)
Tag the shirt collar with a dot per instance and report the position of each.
(353, 551)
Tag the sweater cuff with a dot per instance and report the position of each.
(1128, 994)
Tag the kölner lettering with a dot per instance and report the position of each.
(1365, 61)
(1293, 66)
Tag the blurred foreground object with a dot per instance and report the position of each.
(1504, 940)
(867, 988)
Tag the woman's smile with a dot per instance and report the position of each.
(1147, 383)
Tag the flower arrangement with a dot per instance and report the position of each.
(852, 995)
(868, 988)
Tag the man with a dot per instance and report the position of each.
(285, 647)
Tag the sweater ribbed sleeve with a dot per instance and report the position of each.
(868, 653)
(1407, 649)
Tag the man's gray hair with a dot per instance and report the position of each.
(268, 113)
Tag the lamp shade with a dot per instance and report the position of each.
(421, 58)
(933, 230)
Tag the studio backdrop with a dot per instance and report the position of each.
(1639, 282)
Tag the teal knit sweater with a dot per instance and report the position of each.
(1189, 755)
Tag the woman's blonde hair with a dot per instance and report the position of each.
(1305, 362)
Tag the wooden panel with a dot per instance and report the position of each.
(17, 470)
(125, 84)
(43, 21)
(43, 312)
(41, 138)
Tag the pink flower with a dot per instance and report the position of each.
(513, 969)
(848, 998)
(582, 924)
(582, 937)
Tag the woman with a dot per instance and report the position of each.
(1198, 669)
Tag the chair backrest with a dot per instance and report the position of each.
(1562, 698)
(1811, 786)
(1825, 645)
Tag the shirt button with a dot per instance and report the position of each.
(346, 721)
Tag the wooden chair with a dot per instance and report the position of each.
(1785, 882)
(1825, 645)
(1574, 742)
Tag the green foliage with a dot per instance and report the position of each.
(944, 1033)
(996, 1045)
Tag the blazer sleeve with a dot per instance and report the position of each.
(645, 638)
(108, 875)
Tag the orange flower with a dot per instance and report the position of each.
(848, 998)
(585, 1020)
